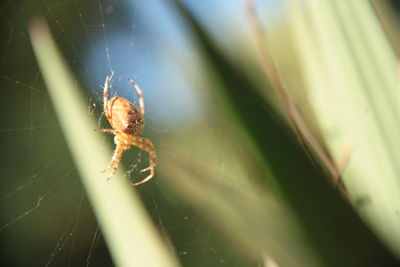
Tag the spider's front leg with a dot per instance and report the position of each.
(105, 98)
(140, 94)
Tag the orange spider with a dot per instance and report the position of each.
(126, 121)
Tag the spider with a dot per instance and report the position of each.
(126, 122)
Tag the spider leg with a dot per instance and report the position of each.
(153, 161)
(139, 91)
(151, 175)
(146, 145)
(117, 155)
(105, 99)
(112, 131)
(116, 158)
(144, 141)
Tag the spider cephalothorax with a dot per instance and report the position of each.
(127, 122)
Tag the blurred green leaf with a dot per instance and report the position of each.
(353, 86)
(248, 215)
(335, 231)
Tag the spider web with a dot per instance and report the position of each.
(46, 219)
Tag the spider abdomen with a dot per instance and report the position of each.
(125, 116)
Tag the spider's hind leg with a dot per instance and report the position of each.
(149, 148)
(151, 175)
(116, 158)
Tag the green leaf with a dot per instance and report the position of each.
(353, 86)
(335, 231)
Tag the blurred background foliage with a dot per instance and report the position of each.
(237, 183)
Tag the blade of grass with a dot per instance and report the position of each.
(130, 235)
(300, 125)
(329, 223)
(249, 215)
(352, 76)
